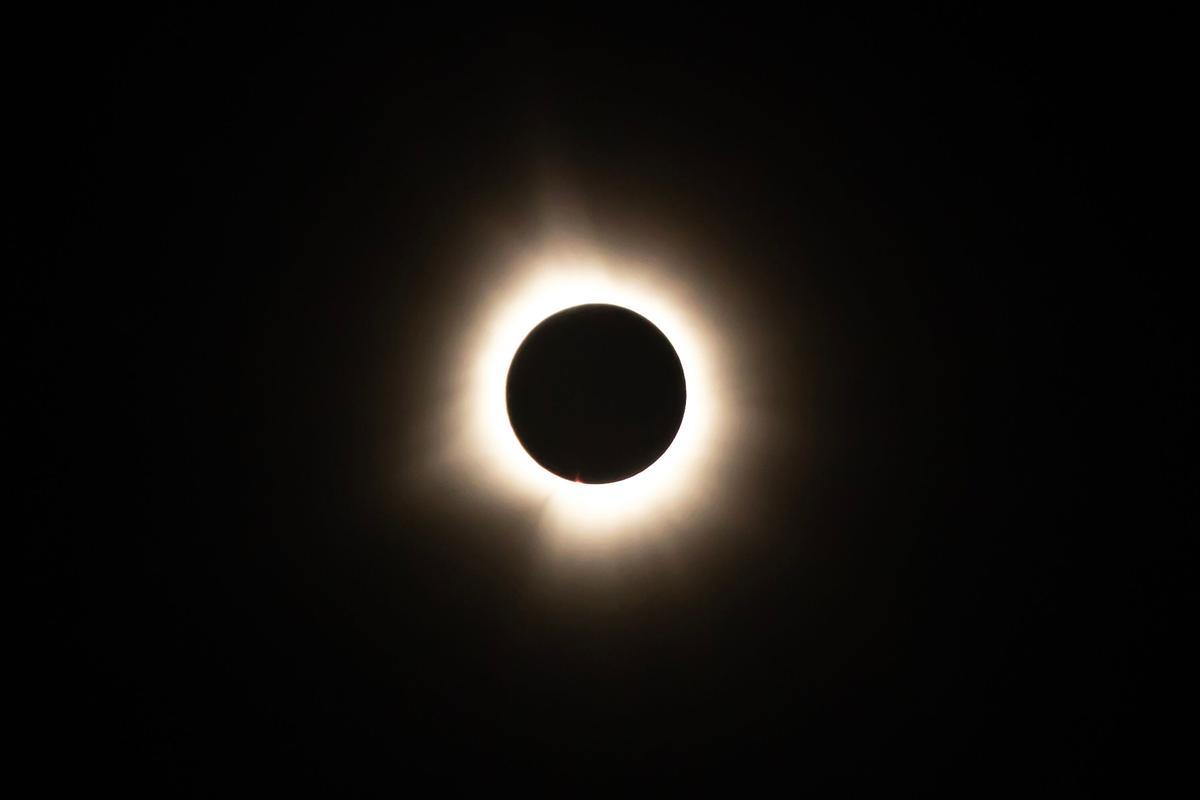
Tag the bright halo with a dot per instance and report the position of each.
(670, 492)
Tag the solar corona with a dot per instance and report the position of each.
(593, 392)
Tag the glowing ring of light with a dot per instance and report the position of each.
(668, 493)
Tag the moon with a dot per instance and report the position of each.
(596, 393)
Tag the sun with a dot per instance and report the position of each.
(485, 450)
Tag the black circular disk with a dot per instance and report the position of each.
(595, 393)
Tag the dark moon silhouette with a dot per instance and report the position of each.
(596, 393)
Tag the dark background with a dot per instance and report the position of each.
(233, 227)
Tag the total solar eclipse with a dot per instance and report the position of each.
(595, 393)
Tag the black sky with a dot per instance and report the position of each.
(243, 226)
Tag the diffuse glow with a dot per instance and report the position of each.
(483, 446)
